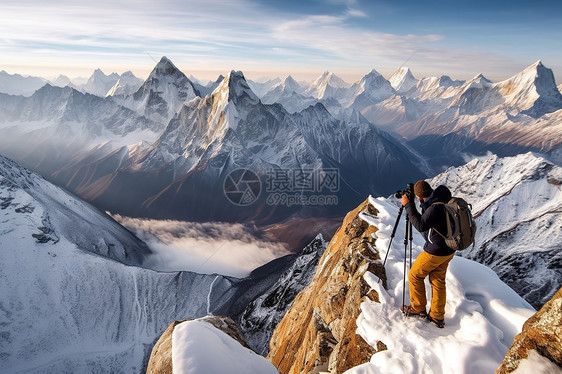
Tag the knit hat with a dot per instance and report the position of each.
(422, 189)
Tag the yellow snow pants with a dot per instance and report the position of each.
(436, 267)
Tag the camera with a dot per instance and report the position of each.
(408, 191)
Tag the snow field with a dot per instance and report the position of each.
(198, 347)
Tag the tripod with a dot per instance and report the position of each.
(408, 237)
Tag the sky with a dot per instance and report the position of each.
(279, 37)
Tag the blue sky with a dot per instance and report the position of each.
(275, 38)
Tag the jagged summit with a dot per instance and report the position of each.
(289, 84)
(533, 91)
(326, 86)
(99, 83)
(403, 79)
(372, 73)
(235, 88)
(165, 67)
(99, 74)
(371, 89)
(436, 86)
(479, 81)
(127, 84)
(61, 81)
(331, 79)
(162, 93)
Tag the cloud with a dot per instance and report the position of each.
(221, 35)
(206, 248)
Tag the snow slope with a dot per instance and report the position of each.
(70, 299)
(483, 315)
(199, 347)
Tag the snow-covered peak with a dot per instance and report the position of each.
(328, 78)
(373, 79)
(16, 84)
(127, 84)
(289, 84)
(99, 75)
(433, 83)
(326, 86)
(99, 84)
(162, 93)
(533, 90)
(165, 68)
(235, 88)
(478, 81)
(372, 73)
(61, 81)
(403, 79)
(372, 88)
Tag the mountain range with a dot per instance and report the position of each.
(184, 146)
(168, 149)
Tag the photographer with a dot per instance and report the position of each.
(435, 258)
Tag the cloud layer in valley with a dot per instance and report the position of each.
(207, 248)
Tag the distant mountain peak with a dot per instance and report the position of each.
(373, 73)
(235, 87)
(329, 78)
(533, 90)
(289, 84)
(402, 79)
(165, 67)
(479, 80)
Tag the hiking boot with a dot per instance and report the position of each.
(438, 322)
(411, 312)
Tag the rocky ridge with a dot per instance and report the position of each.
(318, 333)
(540, 342)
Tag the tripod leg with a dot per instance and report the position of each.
(405, 259)
(392, 235)
(411, 240)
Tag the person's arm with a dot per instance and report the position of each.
(422, 223)
(415, 216)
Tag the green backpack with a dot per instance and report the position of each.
(461, 227)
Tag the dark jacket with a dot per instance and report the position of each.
(431, 219)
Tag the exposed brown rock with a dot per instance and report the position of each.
(161, 357)
(160, 361)
(319, 330)
(542, 333)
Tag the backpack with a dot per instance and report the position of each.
(461, 227)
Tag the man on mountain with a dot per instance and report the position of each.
(435, 258)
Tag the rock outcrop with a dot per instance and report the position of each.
(542, 333)
(160, 361)
(318, 333)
